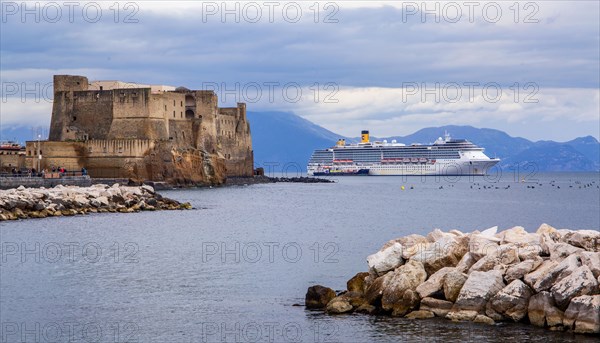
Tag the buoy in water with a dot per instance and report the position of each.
(402, 187)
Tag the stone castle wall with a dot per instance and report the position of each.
(113, 131)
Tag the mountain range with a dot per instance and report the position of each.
(285, 138)
(285, 141)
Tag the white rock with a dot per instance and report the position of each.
(560, 251)
(445, 252)
(519, 270)
(557, 273)
(539, 272)
(465, 263)
(399, 293)
(481, 245)
(512, 300)
(592, 260)
(453, 283)
(585, 239)
(518, 235)
(387, 259)
(580, 282)
(477, 290)
(433, 283)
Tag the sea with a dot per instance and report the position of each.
(237, 267)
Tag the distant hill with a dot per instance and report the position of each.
(283, 138)
(271, 129)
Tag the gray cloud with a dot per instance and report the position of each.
(369, 47)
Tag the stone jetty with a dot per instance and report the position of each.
(549, 278)
(25, 203)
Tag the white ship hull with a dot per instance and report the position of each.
(441, 167)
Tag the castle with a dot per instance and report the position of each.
(117, 129)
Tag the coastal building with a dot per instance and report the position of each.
(12, 157)
(119, 129)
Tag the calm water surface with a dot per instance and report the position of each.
(232, 269)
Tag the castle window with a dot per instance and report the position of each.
(182, 103)
(101, 88)
(183, 134)
(165, 107)
(181, 113)
(173, 114)
(74, 118)
(173, 102)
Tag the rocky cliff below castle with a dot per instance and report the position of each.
(548, 279)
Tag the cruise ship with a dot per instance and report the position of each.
(445, 156)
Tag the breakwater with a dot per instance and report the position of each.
(25, 203)
(549, 278)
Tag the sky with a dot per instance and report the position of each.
(529, 68)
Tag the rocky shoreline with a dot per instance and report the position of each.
(549, 278)
(26, 203)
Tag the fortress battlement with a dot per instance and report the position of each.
(172, 118)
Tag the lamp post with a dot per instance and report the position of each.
(39, 153)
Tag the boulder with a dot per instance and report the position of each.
(485, 264)
(386, 259)
(410, 244)
(438, 234)
(542, 311)
(402, 280)
(338, 305)
(580, 282)
(518, 271)
(465, 263)
(318, 296)
(410, 301)
(560, 271)
(374, 290)
(438, 307)
(490, 312)
(529, 252)
(445, 252)
(518, 235)
(583, 314)
(585, 239)
(355, 299)
(479, 288)
(512, 300)
(532, 277)
(452, 284)
(357, 283)
(592, 261)
(434, 283)
(483, 244)
(545, 228)
(560, 251)
(420, 314)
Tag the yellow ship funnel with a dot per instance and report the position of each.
(364, 136)
(340, 142)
